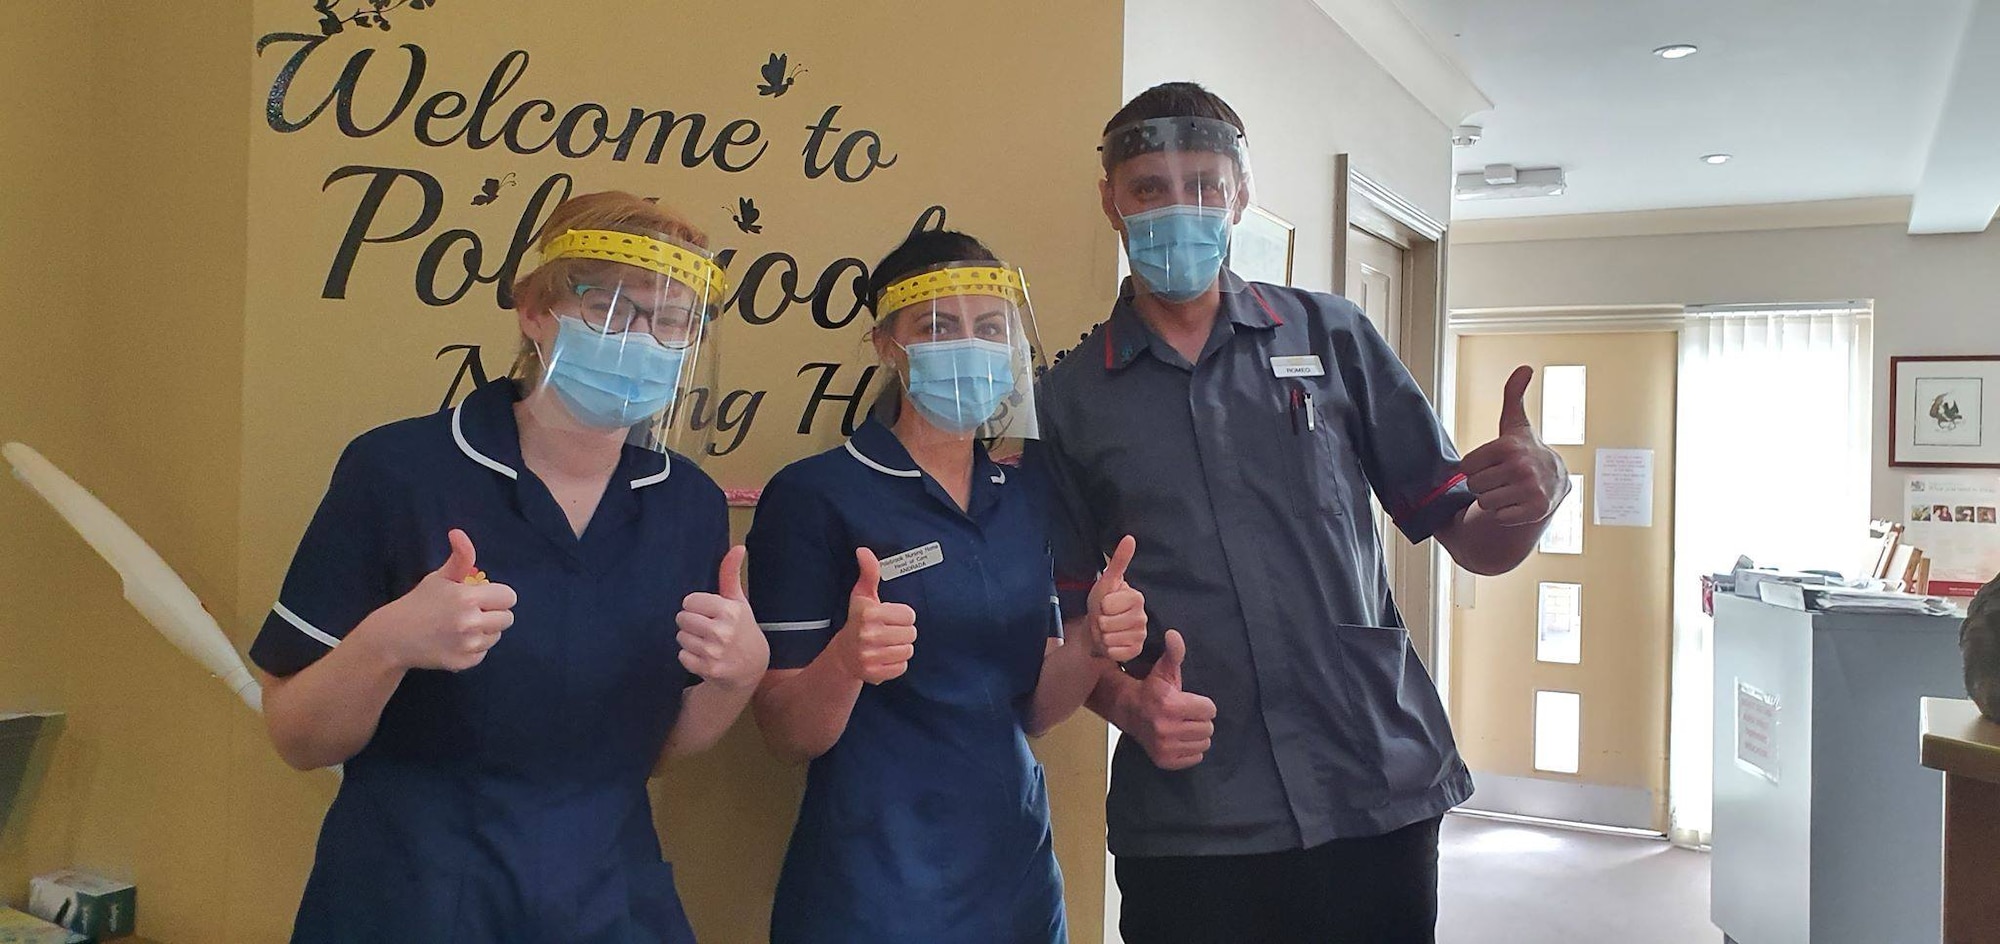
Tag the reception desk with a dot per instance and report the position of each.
(1827, 826)
(1966, 747)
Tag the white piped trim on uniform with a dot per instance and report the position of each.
(999, 477)
(657, 477)
(879, 467)
(795, 627)
(458, 436)
(309, 629)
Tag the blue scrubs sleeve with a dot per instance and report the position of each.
(718, 544)
(797, 565)
(1408, 457)
(341, 572)
(1072, 528)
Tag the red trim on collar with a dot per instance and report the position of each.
(1107, 346)
(1266, 305)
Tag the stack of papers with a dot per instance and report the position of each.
(1840, 600)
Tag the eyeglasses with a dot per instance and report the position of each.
(611, 311)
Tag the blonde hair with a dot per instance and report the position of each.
(615, 210)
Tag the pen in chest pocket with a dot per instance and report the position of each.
(1302, 405)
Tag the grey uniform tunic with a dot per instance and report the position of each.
(1246, 479)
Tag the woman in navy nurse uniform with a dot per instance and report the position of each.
(905, 583)
(504, 615)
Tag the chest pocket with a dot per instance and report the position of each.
(1316, 446)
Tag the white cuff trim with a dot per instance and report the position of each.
(309, 629)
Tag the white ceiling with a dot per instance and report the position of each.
(1817, 99)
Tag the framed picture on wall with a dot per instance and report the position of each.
(1944, 412)
(1260, 247)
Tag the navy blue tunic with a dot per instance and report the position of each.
(928, 820)
(505, 803)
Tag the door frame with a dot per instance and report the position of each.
(1364, 202)
(1455, 584)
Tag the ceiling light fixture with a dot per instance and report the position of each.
(1499, 181)
(1716, 158)
(1677, 51)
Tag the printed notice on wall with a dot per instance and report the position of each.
(1624, 488)
(1565, 533)
(1955, 521)
(1757, 731)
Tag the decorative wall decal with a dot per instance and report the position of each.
(369, 16)
(489, 191)
(746, 216)
(776, 80)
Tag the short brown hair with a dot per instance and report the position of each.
(1174, 100)
(613, 210)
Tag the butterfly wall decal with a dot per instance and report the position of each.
(489, 190)
(747, 214)
(776, 80)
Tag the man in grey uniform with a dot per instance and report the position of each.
(1286, 764)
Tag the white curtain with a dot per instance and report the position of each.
(1772, 462)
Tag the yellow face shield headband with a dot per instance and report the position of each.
(683, 265)
(958, 280)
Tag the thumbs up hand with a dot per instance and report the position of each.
(719, 637)
(1117, 616)
(1175, 726)
(879, 638)
(1516, 477)
(447, 621)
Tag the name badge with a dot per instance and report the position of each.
(911, 561)
(1298, 365)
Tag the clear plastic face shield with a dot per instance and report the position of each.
(633, 333)
(1179, 185)
(969, 351)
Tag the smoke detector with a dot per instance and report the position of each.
(1466, 135)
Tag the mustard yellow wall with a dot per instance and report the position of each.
(125, 368)
(201, 387)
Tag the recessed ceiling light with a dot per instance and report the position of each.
(1677, 51)
(1717, 158)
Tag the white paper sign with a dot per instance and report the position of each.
(1624, 488)
(1563, 404)
(1565, 533)
(1955, 521)
(1559, 618)
(1757, 731)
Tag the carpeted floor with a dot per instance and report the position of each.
(1505, 883)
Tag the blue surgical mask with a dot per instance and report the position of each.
(959, 384)
(1177, 250)
(612, 381)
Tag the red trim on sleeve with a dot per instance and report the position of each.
(1435, 494)
(1107, 347)
(1075, 584)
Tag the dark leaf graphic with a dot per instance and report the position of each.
(331, 21)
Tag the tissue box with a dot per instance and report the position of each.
(94, 907)
(19, 928)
